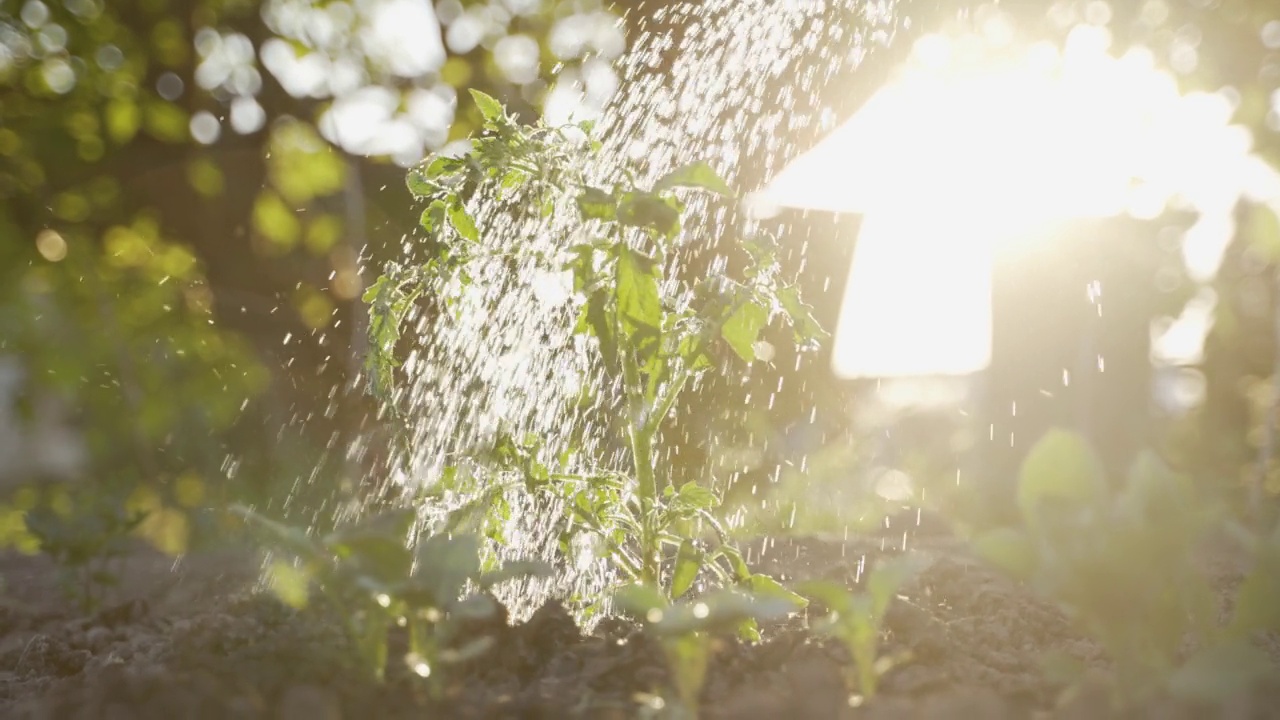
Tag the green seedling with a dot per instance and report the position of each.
(604, 507)
(85, 540)
(1121, 563)
(686, 630)
(379, 578)
(653, 334)
(855, 619)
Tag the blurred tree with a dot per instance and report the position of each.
(177, 174)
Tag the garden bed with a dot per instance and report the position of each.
(196, 640)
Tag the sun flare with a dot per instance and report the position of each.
(978, 146)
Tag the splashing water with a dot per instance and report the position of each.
(702, 82)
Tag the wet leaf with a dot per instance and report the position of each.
(418, 183)
(596, 204)
(832, 595)
(695, 175)
(800, 315)
(649, 211)
(719, 611)
(474, 607)
(688, 657)
(292, 539)
(688, 562)
(766, 588)
(742, 329)
(1060, 469)
(741, 572)
(638, 600)
(639, 304)
(376, 549)
(697, 496)
(445, 564)
(433, 216)
(490, 108)
(290, 584)
(516, 570)
(463, 223)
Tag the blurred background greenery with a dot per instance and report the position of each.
(191, 189)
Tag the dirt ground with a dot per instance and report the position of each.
(194, 639)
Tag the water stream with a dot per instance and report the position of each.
(737, 76)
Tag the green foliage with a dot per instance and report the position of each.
(686, 630)
(380, 576)
(129, 166)
(1123, 565)
(855, 618)
(84, 538)
(654, 335)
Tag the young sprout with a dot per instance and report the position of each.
(855, 618)
(685, 629)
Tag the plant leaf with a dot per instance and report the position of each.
(475, 607)
(287, 537)
(887, 578)
(743, 327)
(1061, 468)
(697, 496)
(639, 304)
(432, 216)
(688, 562)
(290, 584)
(741, 572)
(765, 587)
(596, 320)
(596, 204)
(687, 657)
(804, 325)
(463, 223)
(490, 108)
(417, 182)
(695, 175)
(647, 210)
(444, 565)
(832, 595)
(639, 599)
(516, 570)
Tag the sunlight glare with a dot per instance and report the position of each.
(980, 145)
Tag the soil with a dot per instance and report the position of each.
(195, 639)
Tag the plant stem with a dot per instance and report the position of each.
(642, 455)
(665, 403)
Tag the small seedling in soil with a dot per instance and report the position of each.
(653, 335)
(855, 619)
(1122, 563)
(85, 540)
(686, 631)
(379, 579)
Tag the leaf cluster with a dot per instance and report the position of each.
(1122, 562)
(380, 576)
(855, 619)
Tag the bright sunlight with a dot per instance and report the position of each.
(980, 145)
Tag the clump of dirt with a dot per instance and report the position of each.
(208, 645)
